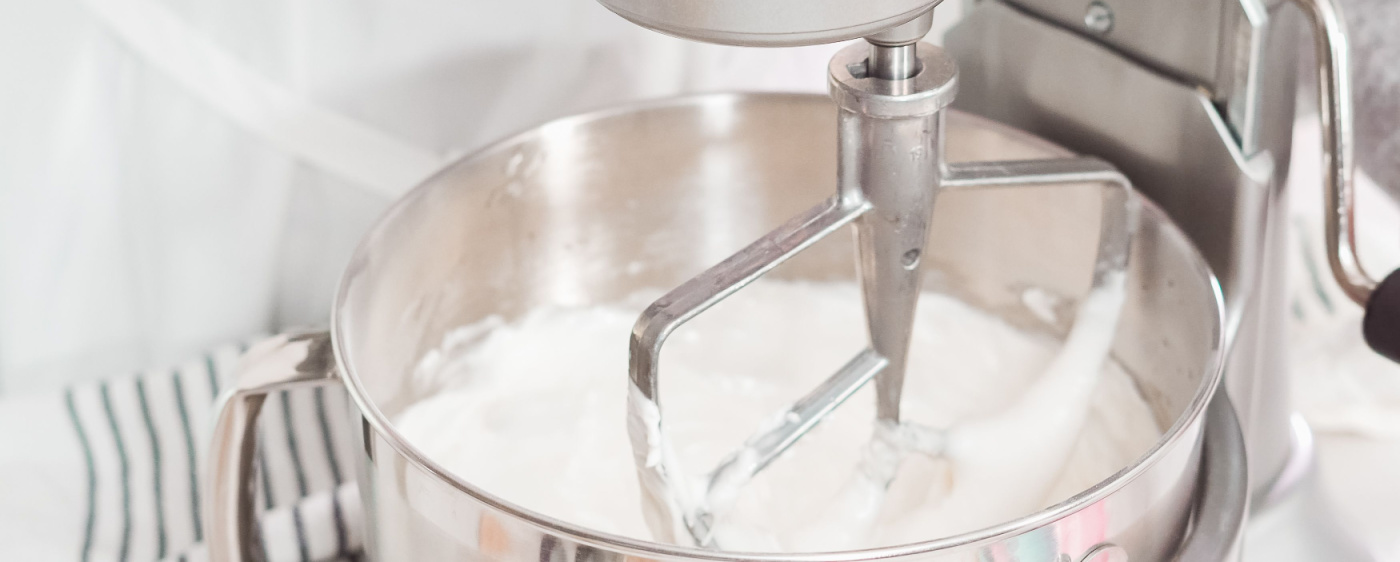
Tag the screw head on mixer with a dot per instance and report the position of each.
(1098, 18)
(910, 260)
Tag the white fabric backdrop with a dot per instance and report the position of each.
(178, 173)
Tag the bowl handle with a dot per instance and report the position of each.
(285, 361)
(1217, 527)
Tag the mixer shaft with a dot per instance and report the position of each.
(895, 164)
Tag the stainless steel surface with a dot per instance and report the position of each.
(1338, 158)
(907, 33)
(1106, 553)
(1215, 45)
(896, 62)
(1214, 153)
(1181, 37)
(765, 446)
(1217, 531)
(1169, 138)
(1012, 173)
(283, 362)
(770, 23)
(679, 185)
(857, 92)
(684, 303)
(1098, 18)
(1119, 211)
(890, 154)
(705, 290)
(1243, 60)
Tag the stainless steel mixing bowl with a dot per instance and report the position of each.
(591, 208)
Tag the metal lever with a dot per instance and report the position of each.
(1381, 323)
(1338, 158)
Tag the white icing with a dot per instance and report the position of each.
(535, 411)
(662, 478)
(1042, 304)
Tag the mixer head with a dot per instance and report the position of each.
(891, 95)
(771, 23)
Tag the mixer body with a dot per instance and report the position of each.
(1171, 137)
(1194, 102)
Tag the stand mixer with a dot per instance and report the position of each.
(561, 213)
(1213, 150)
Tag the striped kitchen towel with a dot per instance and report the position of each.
(111, 470)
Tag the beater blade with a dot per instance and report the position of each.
(891, 173)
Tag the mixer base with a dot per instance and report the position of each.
(1294, 520)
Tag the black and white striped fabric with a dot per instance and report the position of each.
(142, 440)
